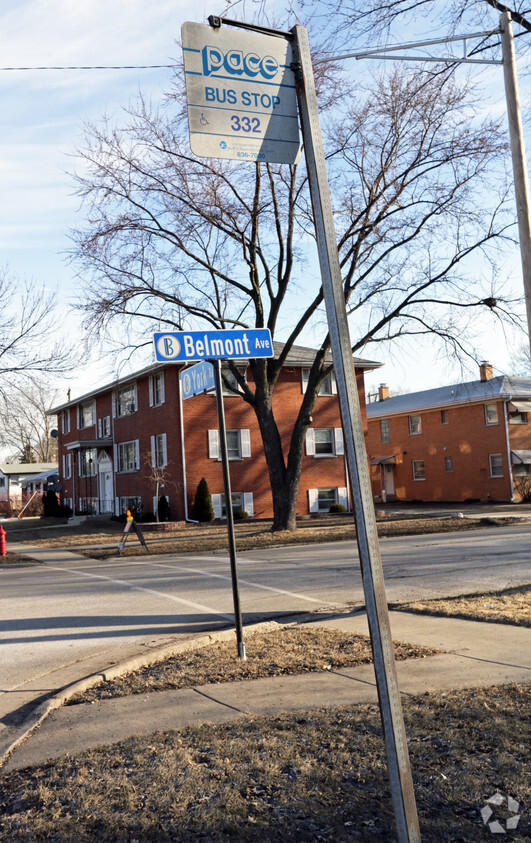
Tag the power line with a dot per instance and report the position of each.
(99, 67)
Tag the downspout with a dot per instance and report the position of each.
(505, 409)
(185, 491)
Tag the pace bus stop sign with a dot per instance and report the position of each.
(240, 93)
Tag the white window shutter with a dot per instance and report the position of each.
(115, 457)
(313, 502)
(334, 384)
(117, 506)
(305, 373)
(213, 445)
(248, 504)
(137, 454)
(216, 505)
(164, 451)
(114, 405)
(245, 440)
(151, 390)
(162, 390)
(154, 506)
(100, 429)
(342, 496)
(338, 441)
(310, 442)
(153, 454)
(64, 466)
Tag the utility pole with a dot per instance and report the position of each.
(521, 183)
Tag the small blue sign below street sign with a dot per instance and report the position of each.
(197, 379)
(189, 346)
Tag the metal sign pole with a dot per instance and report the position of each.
(228, 509)
(367, 536)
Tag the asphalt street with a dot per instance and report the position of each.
(72, 608)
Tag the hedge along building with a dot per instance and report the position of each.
(467, 441)
(115, 440)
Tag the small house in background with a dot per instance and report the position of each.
(121, 442)
(467, 441)
(18, 480)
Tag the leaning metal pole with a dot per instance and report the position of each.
(521, 184)
(367, 537)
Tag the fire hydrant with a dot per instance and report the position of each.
(2, 542)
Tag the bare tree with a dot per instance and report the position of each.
(172, 241)
(29, 342)
(158, 477)
(25, 427)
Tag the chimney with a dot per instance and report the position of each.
(383, 392)
(485, 371)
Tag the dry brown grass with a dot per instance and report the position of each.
(510, 605)
(313, 776)
(278, 653)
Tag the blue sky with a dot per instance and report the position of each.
(41, 119)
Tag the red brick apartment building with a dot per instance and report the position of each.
(467, 441)
(109, 438)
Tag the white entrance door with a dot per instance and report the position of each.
(389, 479)
(106, 492)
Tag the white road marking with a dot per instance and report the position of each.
(166, 596)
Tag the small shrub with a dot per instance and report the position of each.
(337, 507)
(241, 515)
(164, 508)
(203, 510)
(64, 511)
(148, 517)
(522, 484)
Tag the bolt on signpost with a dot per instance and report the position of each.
(210, 347)
(222, 72)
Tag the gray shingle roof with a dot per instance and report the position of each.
(502, 388)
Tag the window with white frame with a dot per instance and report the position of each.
(496, 465)
(328, 385)
(324, 442)
(133, 504)
(320, 500)
(104, 427)
(238, 444)
(415, 425)
(418, 470)
(65, 419)
(385, 435)
(491, 414)
(128, 459)
(240, 501)
(67, 466)
(156, 389)
(126, 403)
(85, 416)
(159, 453)
(517, 417)
(87, 462)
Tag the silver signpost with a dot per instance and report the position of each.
(367, 537)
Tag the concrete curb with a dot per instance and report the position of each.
(41, 712)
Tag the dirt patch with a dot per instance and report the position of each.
(278, 653)
(17, 559)
(510, 605)
(312, 776)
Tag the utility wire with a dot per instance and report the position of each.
(98, 67)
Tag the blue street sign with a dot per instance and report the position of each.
(189, 346)
(197, 379)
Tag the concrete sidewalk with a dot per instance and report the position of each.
(475, 655)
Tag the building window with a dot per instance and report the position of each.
(87, 462)
(325, 499)
(133, 504)
(418, 470)
(328, 386)
(385, 435)
(491, 414)
(104, 427)
(229, 383)
(415, 425)
(517, 418)
(238, 444)
(240, 500)
(66, 421)
(156, 389)
(444, 417)
(67, 466)
(159, 451)
(448, 464)
(85, 415)
(496, 465)
(236, 498)
(126, 403)
(2, 482)
(128, 456)
(324, 441)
